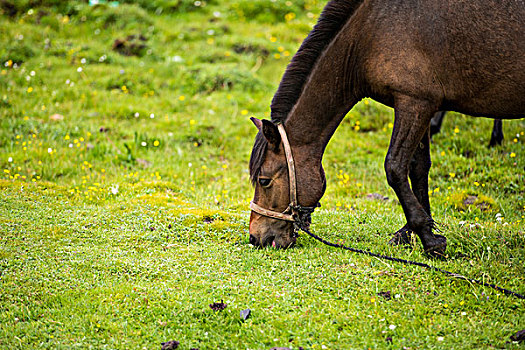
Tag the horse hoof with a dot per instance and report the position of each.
(401, 237)
(437, 247)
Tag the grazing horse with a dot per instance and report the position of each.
(496, 137)
(416, 56)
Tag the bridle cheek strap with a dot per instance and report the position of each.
(300, 216)
(291, 165)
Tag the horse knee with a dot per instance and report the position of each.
(395, 174)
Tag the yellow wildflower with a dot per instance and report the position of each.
(289, 16)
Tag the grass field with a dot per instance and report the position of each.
(124, 147)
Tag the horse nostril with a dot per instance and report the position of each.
(253, 240)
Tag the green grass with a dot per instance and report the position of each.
(124, 192)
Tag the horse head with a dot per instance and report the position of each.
(284, 195)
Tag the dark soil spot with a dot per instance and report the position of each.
(208, 219)
(376, 196)
(132, 45)
(170, 345)
(218, 306)
(387, 295)
(519, 337)
(249, 48)
(8, 8)
(483, 205)
(470, 200)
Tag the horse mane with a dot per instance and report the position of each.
(332, 19)
(335, 14)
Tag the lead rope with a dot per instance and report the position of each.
(409, 262)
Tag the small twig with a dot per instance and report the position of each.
(258, 64)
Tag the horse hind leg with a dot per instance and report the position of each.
(418, 173)
(412, 119)
(436, 122)
(497, 133)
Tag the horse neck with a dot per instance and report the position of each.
(326, 98)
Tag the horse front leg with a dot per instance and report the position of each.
(412, 120)
(418, 173)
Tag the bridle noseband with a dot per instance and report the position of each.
(299, 215)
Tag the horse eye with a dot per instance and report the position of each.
(264, 182)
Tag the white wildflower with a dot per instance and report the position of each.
(114, 189)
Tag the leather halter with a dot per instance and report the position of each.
(295, 213)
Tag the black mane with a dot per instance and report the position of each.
(335, 14)
(332, 19)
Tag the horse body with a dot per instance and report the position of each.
(466, 56)
(418, 57)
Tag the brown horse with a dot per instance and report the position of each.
(418, 57)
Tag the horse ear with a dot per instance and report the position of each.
(271, 133)
(257, 122)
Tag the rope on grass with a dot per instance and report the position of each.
(410, 262)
